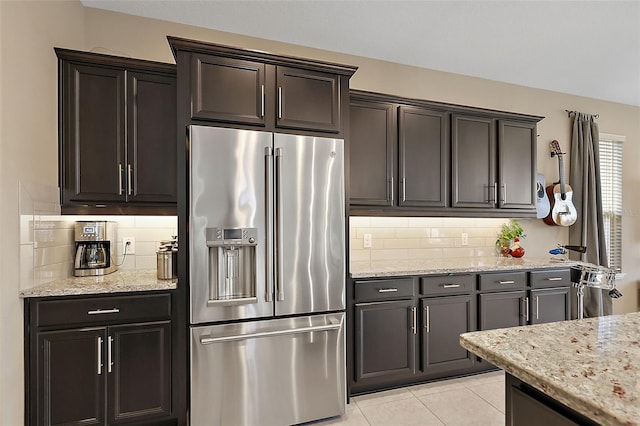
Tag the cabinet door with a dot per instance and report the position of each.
(385, 339)
(70, 374)
(473, 162)
(516, 162)
(443, 320)
(225, 89)
(503, 309)
(139, 367)
(151, 138)
(372, 145)
(308, 100)
(550, 304)
(93, 157)
(424, 157)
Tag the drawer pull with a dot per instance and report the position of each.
(104, 311)
(387, 290)
(555, 279)
(450, 285)
(507, 282)
(99, 355)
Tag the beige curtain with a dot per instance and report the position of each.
(588, 230)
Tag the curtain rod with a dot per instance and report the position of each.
(569, 113)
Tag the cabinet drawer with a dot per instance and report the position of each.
(447, 284)
(384, 289)
(550, 278)
(96, 310)
(503, 281)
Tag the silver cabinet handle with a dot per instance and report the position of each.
(279, 102)
(504, 194)
(236, 337)
(537, 311)
(109, 359)
(387, 290)
(268, 162)
(555, 279)
(120, 179)
(262, 106)
(279, 225)
(414, 322)
(526, 308)
(391, 188)
(104, 311)
(404, 190)
(495, 192)
(99, 355)
(427, 320)
(507, 282)
(129, 179)
(450, 285)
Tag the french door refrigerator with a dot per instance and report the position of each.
(267, 277)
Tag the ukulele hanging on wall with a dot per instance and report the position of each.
(563, 212)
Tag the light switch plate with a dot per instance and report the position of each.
(367, 241)
(464, 239)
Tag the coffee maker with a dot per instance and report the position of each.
(95, 243)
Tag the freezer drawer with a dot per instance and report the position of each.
(274, 372)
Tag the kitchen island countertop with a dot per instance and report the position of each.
(118, 282)
(391, 268)
(592, 365)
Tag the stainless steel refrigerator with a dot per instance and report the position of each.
(267, 277)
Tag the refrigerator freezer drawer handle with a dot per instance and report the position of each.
(268, 164)
(232, 302)
(236, 337)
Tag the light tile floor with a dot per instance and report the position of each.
(476, 400)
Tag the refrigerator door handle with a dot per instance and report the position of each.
(268, 162)
(279, 226)
(236, 337)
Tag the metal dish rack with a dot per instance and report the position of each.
(594, 276)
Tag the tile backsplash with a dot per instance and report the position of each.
(47, 240)
(421, 237)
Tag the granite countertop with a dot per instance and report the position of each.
(390, 268)
(590, 365)
(117, 282)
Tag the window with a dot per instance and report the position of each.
(611, 182)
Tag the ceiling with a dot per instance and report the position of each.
(586, 48)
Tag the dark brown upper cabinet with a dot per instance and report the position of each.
(251, 89)
(424, 158)
(117, 134)
(473, 152)
(373, 152)
(423, 137)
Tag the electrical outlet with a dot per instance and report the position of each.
(131, 249)
(367, 241)
(464, 239)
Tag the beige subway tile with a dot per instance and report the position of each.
(489, 222)
(389, 222)
(458, 252)
(422, 253)
(145, 248)
(360, 222)
(356, 244)
(425, 222)
(476, 242)
(437, 242)
(389, 254)
(360, 255)
(485, 252)
(156, 222)
(146, 262)
(377, 244)
(376, 232)
(458, 222)
(446, 232)
(401, 243)
(412, 232)
(482, 232)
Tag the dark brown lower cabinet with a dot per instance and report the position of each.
(526, 406)
(123, 369)
(549, 305)
(385, 340)
(502, 309)
(443, 320)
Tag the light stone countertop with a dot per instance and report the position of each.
(117, 282)
(391, 268)
(590, 365)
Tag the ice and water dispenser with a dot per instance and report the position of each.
(232, 265)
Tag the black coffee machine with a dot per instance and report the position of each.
(95, 243)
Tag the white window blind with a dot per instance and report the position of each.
(611, 181)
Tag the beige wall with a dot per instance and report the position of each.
(28, 138)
